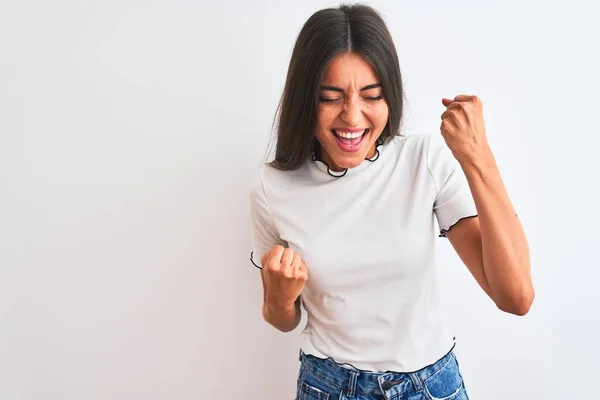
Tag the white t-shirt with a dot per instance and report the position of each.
(368, 241)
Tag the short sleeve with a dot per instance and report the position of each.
(264, 233)
(454, 200)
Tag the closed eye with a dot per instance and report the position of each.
(328, 100)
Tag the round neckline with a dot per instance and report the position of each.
(324, 167)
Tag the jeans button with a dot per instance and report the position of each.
(387, 385)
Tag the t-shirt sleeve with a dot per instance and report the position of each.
(264, 233)
(454, 200)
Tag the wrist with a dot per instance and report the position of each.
(279, 308)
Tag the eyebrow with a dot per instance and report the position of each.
(337, 89)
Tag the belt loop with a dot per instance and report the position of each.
(352, 383)
(417, 382)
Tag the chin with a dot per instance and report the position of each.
(349, 162)
(344, 159)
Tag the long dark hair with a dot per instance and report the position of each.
(327, 33)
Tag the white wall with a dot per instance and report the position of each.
(128, 133)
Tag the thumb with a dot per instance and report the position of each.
(446, 102)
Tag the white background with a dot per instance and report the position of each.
(129, 131)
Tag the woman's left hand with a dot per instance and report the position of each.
(463, 129)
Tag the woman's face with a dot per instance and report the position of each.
(352, 112)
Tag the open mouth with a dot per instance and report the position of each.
(350, 141)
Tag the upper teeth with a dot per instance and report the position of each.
(350, 135)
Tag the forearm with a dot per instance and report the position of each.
(505, 250)
(286, 319)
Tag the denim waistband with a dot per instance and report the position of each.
(355, 381)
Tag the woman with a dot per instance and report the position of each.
(343, 219)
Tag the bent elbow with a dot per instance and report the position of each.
(518, 305)
(519, 309)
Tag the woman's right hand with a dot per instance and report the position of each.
(285, 275)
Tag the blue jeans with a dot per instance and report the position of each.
(321, 379)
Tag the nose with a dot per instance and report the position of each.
(351, 114)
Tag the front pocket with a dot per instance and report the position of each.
(459, 394)
(308, 392)
(446, 383)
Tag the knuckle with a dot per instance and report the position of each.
(266, 257)
(270, 267)
(297, 260)
(288, 257)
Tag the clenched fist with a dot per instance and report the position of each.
(463, 129)
(284, 275)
